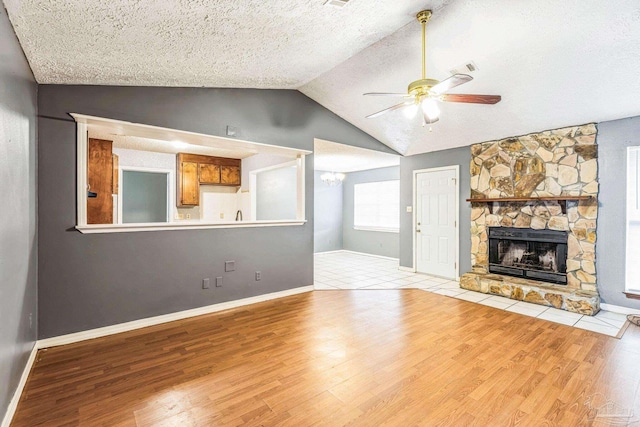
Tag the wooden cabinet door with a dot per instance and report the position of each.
(230, 175)
(100, 180)
(189, 186)
(209, 174)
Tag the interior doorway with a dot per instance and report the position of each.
(436, 218)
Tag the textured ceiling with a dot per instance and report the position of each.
(248, 43)
(555, 63)
(334, 157)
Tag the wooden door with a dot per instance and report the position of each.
(189, 185)
(100, 179)
(230, 175)
(436, 243)
(209, 173)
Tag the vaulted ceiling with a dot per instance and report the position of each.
(554, 62)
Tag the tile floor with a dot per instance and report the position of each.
(349, 270)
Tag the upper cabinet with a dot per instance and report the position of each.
(209, 174)
(194, 170)
(100, 170)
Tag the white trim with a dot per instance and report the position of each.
(329, 252)
(366, 254)
(376, 229)
(136, 129)
(165, 318)
(407, 269)
(456, 168)
(130, 228)
(618, 309)
(162, 133)
(13, 404)
(82, 148)
(301, 184)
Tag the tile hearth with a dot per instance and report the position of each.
(348, 271)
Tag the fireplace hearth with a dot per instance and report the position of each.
(528, 253)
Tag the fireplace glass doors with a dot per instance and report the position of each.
(533, 254)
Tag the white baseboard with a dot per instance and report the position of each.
(328, 252)
(618, 309)
(407, 269)
(13, 404)
(366, 254)
(150, 321)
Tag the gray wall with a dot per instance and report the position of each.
(456, 156)
(371, 242)
(92, 280)
(18, 239)
(613, 139)
(327, 215)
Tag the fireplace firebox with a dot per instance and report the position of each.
(532, 254)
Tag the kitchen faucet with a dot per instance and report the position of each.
(239, 215)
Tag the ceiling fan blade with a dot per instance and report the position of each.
(427, 121)
(386, 110)
(450, 83)
(385, 94)
(471, 99)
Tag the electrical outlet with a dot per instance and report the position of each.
(219, 282)
(205, 283)
(229, 266)
(221, 215)
(409, 209)
(188, 216)
(258, 276)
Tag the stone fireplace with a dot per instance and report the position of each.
(534, 243)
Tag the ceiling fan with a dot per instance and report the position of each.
(426, 93)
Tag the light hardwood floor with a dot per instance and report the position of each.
(362, 357)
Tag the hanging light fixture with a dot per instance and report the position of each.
(332, 179)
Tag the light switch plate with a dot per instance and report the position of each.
(219, 282)
(205, 283)
(229, 266)
(409, 209)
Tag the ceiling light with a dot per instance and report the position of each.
(336, 3)
(410, 111)
(430, 108)
(332, 178)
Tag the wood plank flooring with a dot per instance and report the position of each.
(333, 358)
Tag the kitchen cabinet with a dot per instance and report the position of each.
(194, 170)
(230, 175)
(209, 173)
(189, 188)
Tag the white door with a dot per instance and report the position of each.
(436, 237)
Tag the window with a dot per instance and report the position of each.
(377, 206)
(632, 283)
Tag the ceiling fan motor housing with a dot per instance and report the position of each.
(422, 86)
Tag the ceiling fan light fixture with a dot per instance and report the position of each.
(430, 108)
(410, 111)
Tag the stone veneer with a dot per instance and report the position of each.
(551, 163)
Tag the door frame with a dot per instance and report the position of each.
(455, 168)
